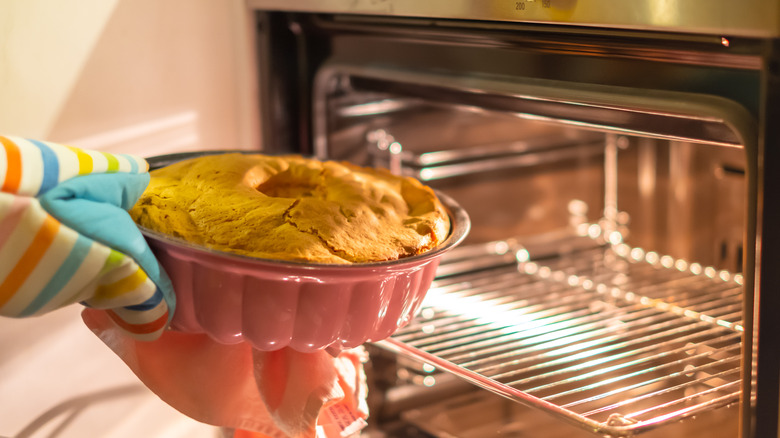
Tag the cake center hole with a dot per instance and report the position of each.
(284, 185)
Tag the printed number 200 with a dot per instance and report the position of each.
(519, 6)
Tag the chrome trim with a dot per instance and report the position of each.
(665, 115)
(748, 18)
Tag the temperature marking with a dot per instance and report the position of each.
(522, 5)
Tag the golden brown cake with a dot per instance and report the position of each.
(293, 208)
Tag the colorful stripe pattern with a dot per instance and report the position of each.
(45, 265)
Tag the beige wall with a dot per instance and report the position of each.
(140, 76)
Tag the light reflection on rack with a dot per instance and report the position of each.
(612, 338)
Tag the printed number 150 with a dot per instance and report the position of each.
(520, 6)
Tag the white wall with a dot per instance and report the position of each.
(141, 76)
(138, 76)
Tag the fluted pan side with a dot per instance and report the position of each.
(306, 308)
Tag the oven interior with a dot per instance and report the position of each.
(612, 179)
(601, 283)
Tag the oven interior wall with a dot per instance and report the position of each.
(523, 179)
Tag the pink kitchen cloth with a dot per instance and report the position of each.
(281, 394)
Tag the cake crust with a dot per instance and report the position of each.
(293, 208)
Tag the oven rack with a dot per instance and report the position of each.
(613, 339)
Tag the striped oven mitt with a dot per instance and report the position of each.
(66, 236)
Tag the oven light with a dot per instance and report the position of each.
(594, 231)
(578, 207)
(622, 250)
(652, 257)
(508, 320)
(544, 272)
(427, 174)
(531, 268)
(522, 255)
(724, 41)
(500, 247)
(372, 108)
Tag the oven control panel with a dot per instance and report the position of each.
(748, 18)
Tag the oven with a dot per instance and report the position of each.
(617, 161)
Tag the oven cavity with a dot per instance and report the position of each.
(602, 280)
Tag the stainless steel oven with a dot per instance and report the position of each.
(618, 161)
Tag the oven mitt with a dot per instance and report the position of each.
(279, 394)
(66, 236)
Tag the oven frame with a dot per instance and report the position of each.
(292, 47)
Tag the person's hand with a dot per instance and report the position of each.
(279, 394)
(66, 236)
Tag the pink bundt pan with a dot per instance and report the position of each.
(274, 304)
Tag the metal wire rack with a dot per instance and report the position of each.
(614, 339)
